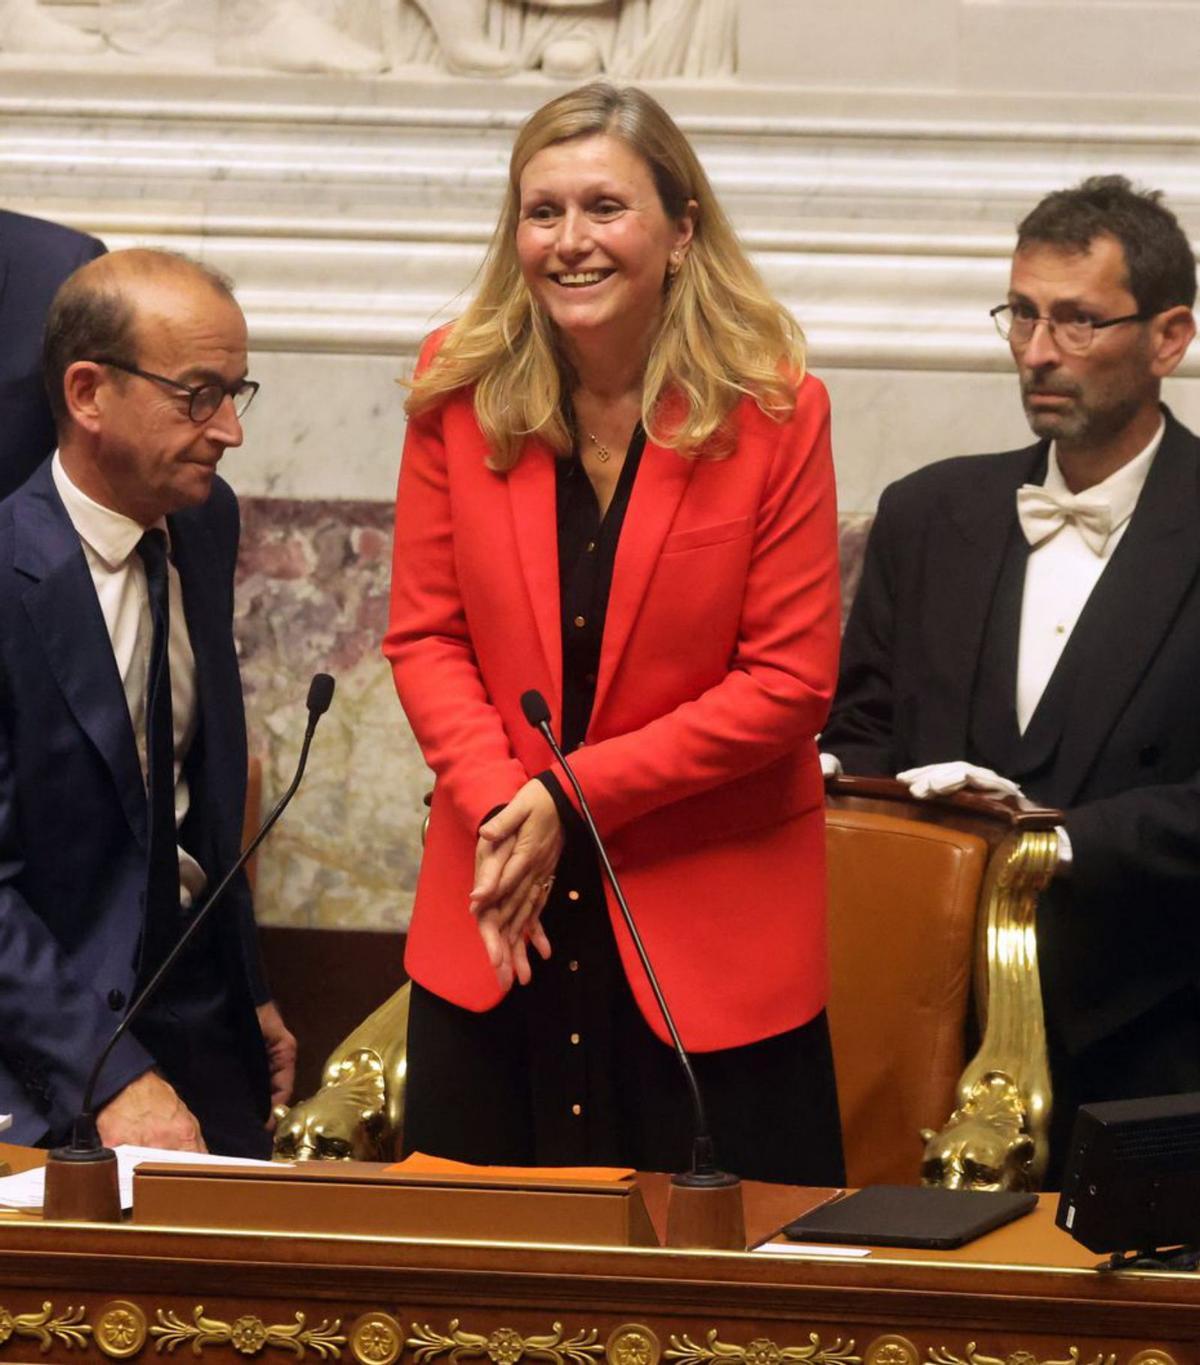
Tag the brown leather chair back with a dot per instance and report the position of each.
(903, 897)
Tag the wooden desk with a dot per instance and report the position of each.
(1023, 1295)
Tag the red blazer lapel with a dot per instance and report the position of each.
(662, 479)
(531, 491)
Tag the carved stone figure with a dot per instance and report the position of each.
(275, 35)
(26, 27)
(575, 39)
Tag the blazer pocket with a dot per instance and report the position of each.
(700, 536)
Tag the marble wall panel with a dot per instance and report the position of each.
(312, 597)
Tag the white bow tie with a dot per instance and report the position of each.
(1041, 513)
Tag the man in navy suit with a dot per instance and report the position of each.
(35, 258)
(122, 735)
(1033, 618)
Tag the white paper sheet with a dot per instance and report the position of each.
(27, 1190)
(811, 1249)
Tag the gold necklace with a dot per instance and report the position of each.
(603, 454)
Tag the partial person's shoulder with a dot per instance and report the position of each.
(959, 476)
(23, 237)
(430, 347)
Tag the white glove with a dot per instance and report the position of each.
(831, 765)
(938, 779)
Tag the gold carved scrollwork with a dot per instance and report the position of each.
(376, 1339)
(996, 1138)
(760, 1351)
(506, 1346)
(247, 1334)
(48, 1329)
(121, 1329)
(891, 1350)
(1152, 1357)
(633, 1344)
(939, 1355)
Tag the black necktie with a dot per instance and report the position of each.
(161, 921)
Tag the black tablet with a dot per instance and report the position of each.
(911, 1216)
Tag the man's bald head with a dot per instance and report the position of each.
(96, 311)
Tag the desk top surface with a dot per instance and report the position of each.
(1029, 1257)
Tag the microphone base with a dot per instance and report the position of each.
(81, 1185)
(704, 1211)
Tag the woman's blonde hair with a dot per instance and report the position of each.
(721, 335)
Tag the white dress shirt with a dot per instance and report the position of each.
(1062, 571)
(109, 542)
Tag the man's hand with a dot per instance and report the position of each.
(148, 1113)
(938, 779)
(281, 1055)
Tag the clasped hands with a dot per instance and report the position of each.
(515, 857)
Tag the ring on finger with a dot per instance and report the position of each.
(546, 883)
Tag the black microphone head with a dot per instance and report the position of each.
(320, 694)
(537, 713)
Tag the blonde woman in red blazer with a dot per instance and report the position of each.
(616, 490)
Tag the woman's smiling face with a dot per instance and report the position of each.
(593, 239)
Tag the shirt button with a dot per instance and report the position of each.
(572, 895)
(574, 1039)
(577, 1109)
(572, 966)
(591, 546)
(116, 1000)
(581, 621)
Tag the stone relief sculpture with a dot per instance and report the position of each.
(273, 35)
(575, 39)
(566, 39)
(26, 27)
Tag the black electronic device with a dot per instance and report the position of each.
(1132, 1180)
(911, 1216)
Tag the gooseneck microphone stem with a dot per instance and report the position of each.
(320, 694)
(704, 1160)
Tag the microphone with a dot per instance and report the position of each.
(85, 1148)
(712, 1227)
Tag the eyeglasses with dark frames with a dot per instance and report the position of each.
(1075, 334)
(203, 399)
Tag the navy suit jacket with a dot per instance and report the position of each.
(73, 811)
(35, 258)
(1122, 933)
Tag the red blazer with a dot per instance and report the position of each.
(717, 667)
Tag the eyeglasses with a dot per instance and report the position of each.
(203, 399)
(1073, 335)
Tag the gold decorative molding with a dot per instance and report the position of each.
(997, 1137)
(67, 1329)
(939, 1355)
(891, 1349)
(632, 1344)
(760, 1351)
(121, 1329)
(1152, 1357)
(247, 1334)
(506, 1346)
(376, 1339)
